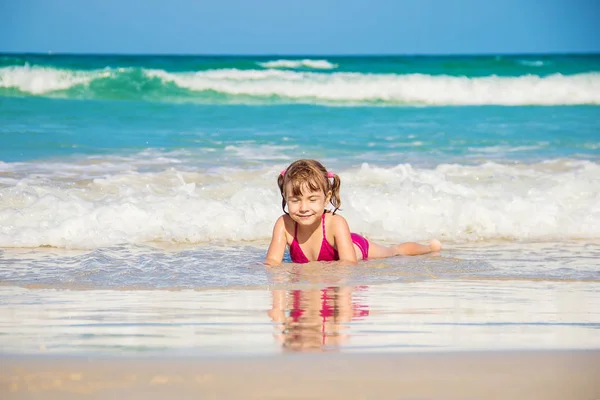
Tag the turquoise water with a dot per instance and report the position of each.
(110, 154)
(35, 128)
(138, 195)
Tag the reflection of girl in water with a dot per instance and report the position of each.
(316, 317)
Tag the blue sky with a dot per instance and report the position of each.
(300, 27)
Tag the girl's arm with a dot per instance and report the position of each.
(343, 241)
(278, 243)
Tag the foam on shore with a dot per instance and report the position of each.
(90, 205)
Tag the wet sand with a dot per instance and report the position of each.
(459, 375)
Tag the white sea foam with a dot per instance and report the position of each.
(552, 200)
(392, 88)
(306, 63)
(336, 88)
(263, 153)
(500, 151)
(532, 63)
(39, 80)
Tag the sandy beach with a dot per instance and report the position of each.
(468, 375)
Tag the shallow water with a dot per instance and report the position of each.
(236, 266)
(433, 315)
(223, 301)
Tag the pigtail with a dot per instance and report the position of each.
(280, 181)
(335, 192)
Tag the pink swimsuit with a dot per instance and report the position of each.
(327, 252)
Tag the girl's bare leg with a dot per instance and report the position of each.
(405, 249)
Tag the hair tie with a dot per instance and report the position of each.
(282, 173)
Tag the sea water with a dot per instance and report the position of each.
(126, 178)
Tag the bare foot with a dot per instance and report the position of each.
(435, 245)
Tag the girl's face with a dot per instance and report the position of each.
(307, 208)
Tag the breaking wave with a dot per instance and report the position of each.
(306, 63)
(276, 86)
(552, 200)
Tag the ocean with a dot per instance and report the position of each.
(138, 194)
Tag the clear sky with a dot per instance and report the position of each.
(300, 27)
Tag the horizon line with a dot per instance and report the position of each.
(52, 53)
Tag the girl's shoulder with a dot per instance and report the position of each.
(334, 217)
(284, 219)
(332, 221)
(288, 223)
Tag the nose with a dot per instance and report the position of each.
(303, 206)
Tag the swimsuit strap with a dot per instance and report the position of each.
(295, 230)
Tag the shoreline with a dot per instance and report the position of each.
(556, 374)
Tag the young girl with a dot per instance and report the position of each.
(316, 234)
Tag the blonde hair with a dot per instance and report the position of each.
(315, 176)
